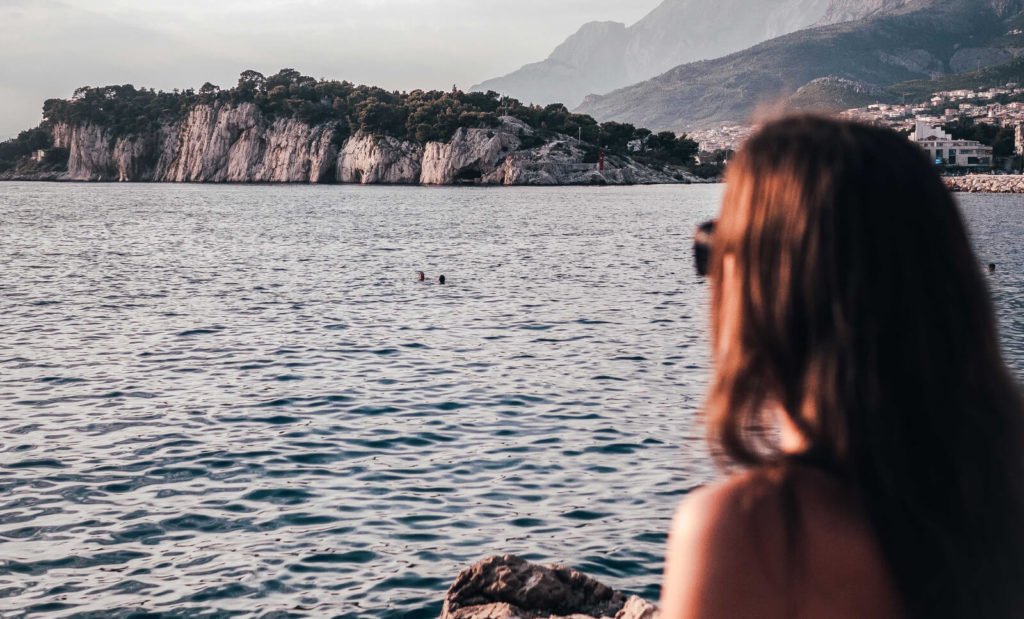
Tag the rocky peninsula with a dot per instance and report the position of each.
(290, 128)
(237, 144)
(507, 587)
(986, 183)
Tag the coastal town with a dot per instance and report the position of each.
(994, 111)
(1000, 107)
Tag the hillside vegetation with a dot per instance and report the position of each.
(418, 116)
(920, 91)
(831, 94)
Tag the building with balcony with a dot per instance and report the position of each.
(946, 151)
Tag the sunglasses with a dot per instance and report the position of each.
(702, 239)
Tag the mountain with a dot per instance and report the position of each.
(603, 56)
(840, 11)
(592, 60)
(897, 42)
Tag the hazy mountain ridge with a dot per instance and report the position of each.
(598, 45)
(904, 41)
(840, 11)
(603, 56)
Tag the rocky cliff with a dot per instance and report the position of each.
(237, 143)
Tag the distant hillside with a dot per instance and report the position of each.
(918, 91)
(603, 56)
(833, 94)
(910, 41)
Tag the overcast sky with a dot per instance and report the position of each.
(50, 47)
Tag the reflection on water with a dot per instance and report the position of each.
(239, 400)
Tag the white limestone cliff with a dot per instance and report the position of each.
(470, 154)
(236, 143)
(91, 155)
(369, 159)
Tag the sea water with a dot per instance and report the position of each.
(239, 400)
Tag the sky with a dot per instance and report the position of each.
(50, 47)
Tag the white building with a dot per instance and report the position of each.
(1018, 142)
(946, 151)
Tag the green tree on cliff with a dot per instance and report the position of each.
(250, 84)
(419, 115)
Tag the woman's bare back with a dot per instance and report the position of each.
(767, 544)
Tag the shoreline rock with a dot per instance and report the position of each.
(508, 587)
(986, 183)
(224, 143)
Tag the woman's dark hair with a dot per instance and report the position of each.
(858, 310)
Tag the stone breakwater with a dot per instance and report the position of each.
(986, 183)
(238, 144)
(508, 587)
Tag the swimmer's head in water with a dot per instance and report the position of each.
(421, 275)
(440, 280)
(991, 267)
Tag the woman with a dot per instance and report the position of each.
(859, 396)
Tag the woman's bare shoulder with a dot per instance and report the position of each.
(766, 544)
(722, 557)
(725, 511)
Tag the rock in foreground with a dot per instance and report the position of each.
(508, 587)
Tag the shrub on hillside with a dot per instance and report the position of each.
(419, 115)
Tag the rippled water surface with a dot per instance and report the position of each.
(238, 400)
